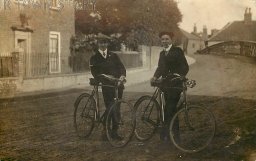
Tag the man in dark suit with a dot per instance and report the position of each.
(171, 62)
(106, 62)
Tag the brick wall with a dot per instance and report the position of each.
(42, 21)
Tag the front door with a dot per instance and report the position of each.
(23, 41)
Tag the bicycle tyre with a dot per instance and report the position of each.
(146, 128)
(197, 128)
(85, 109)
(126, 123)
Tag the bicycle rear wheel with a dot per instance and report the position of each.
(147, 117)
(84, 115)
(120, 123)
(192, 130)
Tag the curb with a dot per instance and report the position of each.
(46, 94)
(83, 87)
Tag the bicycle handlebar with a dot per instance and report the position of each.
(188, 83)
(112, 78)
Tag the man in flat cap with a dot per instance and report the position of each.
(106, 62)
(171, 62)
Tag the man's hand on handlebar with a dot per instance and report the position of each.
(153, 79)
(122, 80)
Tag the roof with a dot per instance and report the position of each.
(236, 31)
(188, 35)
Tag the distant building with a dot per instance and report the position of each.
(42, 30)
(202, 35)
(190, 42)
(244, 30)
(237, 37)
(214, 32)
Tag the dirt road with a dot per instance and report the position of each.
(42, 128)
(226, 76)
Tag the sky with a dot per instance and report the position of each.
(215, 14)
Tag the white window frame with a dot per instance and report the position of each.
(53, 34)
(57, 7)
(5, 4)
(20, 2)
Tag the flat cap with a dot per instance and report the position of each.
(166, 33)
(101, 36)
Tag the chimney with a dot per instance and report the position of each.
(247, 16)
(195, 29)
(205, 35)
(250, 15)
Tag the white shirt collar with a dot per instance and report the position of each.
(101, 52)
(169, 47)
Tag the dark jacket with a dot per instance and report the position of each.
(174, 62)
(112, 65)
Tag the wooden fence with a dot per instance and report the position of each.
(245, 48)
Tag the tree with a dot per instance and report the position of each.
(146, 17)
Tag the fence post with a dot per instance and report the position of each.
(144, 56)
(19, 52)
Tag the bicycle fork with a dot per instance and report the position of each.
(96, 92)
(186, 110)
(162, 103)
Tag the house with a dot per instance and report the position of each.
(190, 42)
(237, 37)
(236, 31)
(41, 31)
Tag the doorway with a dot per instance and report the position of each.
(23, 41)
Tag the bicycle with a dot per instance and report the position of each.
(196, 124)
(87, 113)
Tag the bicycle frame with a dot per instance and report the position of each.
(159, 96)
(95, 95)
(194, 122)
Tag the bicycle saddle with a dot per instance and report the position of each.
(93, 82)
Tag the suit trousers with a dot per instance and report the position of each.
(172, 97)
(108, 96)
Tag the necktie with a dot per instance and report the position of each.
(104, 54)
(166, 52)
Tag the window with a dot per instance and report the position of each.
(54, 52)
(56, 4)
(21, 2)
(5, 5)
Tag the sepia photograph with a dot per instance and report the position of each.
(127, 80)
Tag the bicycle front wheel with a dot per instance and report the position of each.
(192, 129)
(147, 117)
(84, 115)
(120, 123)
